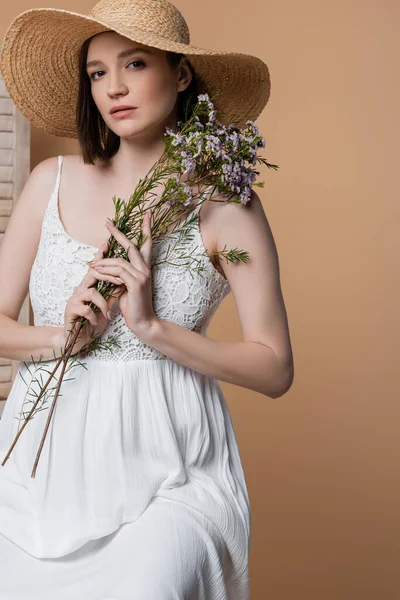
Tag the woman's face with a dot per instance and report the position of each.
(141, 78)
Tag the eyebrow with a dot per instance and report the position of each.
(122, 54)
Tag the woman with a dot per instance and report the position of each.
(140, 491)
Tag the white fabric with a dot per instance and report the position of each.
(139, 492)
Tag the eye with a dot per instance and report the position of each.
(92, 76)
(137, 62)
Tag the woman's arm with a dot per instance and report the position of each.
(263, 361)
(17, 252)
(24, 342)
(249, 364)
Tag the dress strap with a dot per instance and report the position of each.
(57, 185)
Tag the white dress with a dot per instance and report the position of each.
(139, 493)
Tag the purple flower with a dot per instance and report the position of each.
(224, 155)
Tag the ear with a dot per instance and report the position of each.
(184, 74)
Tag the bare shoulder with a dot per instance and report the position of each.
(74, 161)
(42, 180)
(253, 211)
(244, 225)
(38, 189)
(76, 173)
(73, 166)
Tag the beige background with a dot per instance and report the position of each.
(321, 462)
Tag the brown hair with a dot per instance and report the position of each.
(96, 140)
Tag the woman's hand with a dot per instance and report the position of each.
(135, 301)
(76, 307)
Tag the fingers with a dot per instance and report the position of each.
(84, 310)
(136, 256)
(86, 292)
(77, 310)
(102, 250)
(147, 246)
(106, 277)
(89, 278)
(91, 295)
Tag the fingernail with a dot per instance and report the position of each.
(109, 315)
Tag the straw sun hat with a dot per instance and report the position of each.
(40, 50)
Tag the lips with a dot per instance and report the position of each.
(121, 107)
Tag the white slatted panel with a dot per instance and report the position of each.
(14, 171)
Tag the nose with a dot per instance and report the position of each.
(116, 85)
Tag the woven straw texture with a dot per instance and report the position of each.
(40, 50)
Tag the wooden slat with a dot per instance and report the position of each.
(5, 207)
(5, 389)
(23, 152)
(21, 174)
(5, 373)
(6, 157)
(3, 223)
(7, 140)
(6, 174)
(6, 190)
(3, 91)
(6, 106)
(7, 123)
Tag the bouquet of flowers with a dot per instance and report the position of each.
(208, 153)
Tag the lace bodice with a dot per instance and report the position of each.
(180, 295)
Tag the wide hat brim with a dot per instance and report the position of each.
(40, 69)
